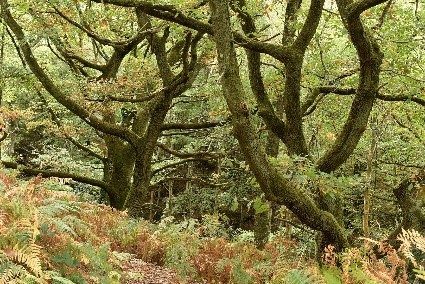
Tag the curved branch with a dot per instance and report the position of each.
(62, 57)
(55, 91)
(46, 174)
(389, 98)
(359, 6)
(309, 28)
(265, 108)
(171, 14)
(105, 41)
(370, 58)
(174, 164)
(314, 97)
(274, 185)
(3, 136)
(191, 179)
(134, 99)
(406, 194)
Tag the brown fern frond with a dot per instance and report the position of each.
(11, 274)
(28, 257)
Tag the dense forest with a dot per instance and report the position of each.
(212, 141)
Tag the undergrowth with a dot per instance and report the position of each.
(49, 236)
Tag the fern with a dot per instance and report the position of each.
(332, 275)
(12, 273)
(59, 214)
(28, 257)
(21, 262)
(56, 207)
(297, 276)
(412, 239)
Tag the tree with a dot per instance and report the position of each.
(132, 141)
(130, 144)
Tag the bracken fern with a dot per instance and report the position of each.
(411, 240)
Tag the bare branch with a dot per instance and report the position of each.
(172, 14)
(58, 123)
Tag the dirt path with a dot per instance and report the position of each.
(140, 272)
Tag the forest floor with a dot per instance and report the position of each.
(51, 233)
(137, 271)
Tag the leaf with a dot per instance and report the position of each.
(235, 204)
(260, 206)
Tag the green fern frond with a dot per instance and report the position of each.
(59, 214)
(332, 275)
(53, 208)
(298, 276)
(62, 226)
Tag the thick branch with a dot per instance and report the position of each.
(370, 59)
(265, 108)
(46, 174)
(54, 91)
(309, 28)
(275, 187)
(3, 136)
(171, 14)
(359, 6)
(186, 126)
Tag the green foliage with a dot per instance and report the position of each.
(210, 236)
(260, 206)
(296, 276)
(41, 229)
(239, 275)
(331, 275)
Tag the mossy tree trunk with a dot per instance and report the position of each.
(130, 149)
(275, 187)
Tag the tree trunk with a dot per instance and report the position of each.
(2, 42)
(138, 199)
(118, 170)
(273, 184)
(371, 176)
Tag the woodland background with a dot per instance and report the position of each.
(231, 141)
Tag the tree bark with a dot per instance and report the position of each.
(273, 184)
(370, 58)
